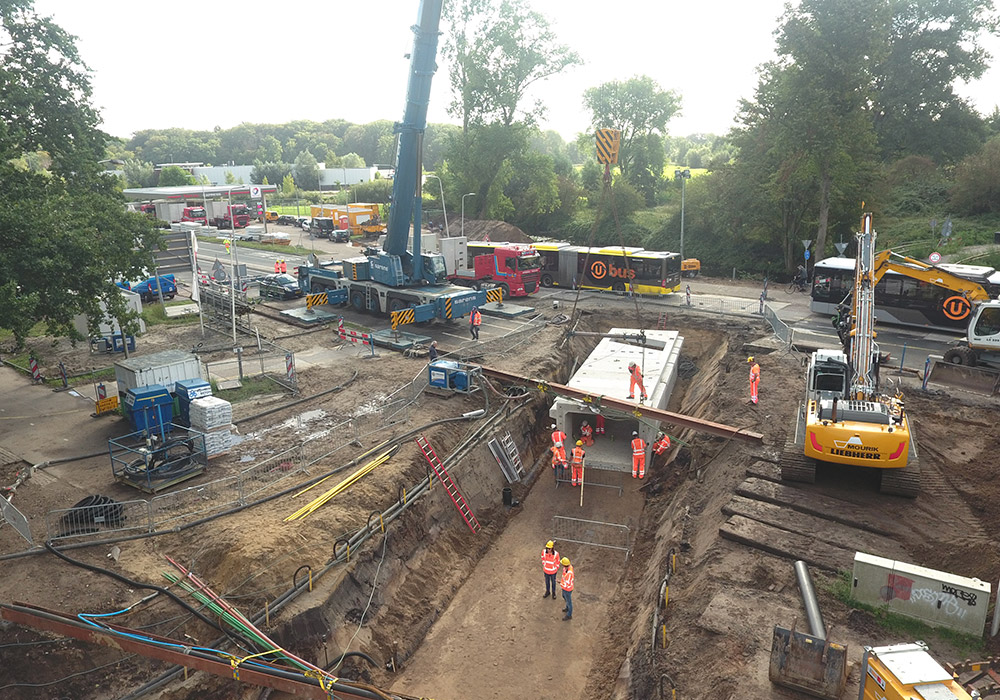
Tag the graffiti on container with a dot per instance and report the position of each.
(968, 596)
(947, 600)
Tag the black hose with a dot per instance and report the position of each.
(242, 641)
(343, 656)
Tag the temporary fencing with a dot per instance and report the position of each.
(781, 329)
(104, 516)
(593, 533)
(267, 359)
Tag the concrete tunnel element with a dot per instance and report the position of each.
(605, 373)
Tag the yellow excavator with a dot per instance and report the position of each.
(844, 419)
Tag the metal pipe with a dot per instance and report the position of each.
(813, 615)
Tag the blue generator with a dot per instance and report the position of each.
(149, 408)
(456, 376)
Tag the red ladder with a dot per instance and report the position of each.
(661, 322)
(448, 482)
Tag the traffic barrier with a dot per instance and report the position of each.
(316, 300)
(356, 336)
(36, 374)
(495, 295)
(402, 317)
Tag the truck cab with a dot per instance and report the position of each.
(197, 214)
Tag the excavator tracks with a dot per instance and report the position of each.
(795, 466)
(906, 481)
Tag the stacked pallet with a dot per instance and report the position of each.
(213, 417)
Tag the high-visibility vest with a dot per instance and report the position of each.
(755, 372)
(476, 319)
(559, 454)
(638, 447)
(661, 445)
(578, 454)
(636, 373)
(550, 562)
(586, 431)
(567, 578)
(558, 438)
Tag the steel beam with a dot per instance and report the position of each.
(63, 624)
(636, 409)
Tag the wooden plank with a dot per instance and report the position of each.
(790, 545)
(837, 534)
(768, 471)
(813, 503)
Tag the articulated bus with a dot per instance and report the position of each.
(902, 300)
(613, 268)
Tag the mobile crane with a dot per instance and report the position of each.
(394, 278)
(844, 419)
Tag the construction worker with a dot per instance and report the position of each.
(550, 566)
(475, 321)
(635, 377)
(277, 267)
(567, 587)
(432, 351)
(576, 464)
(662, 444)
(558, 458)
(638, 455)
(558, 437)
(754, 378)
(587, 434)
(284, 268)
(599, 425)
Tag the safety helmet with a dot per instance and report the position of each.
(631, 365)
(635, 433)
(554, 426)
(586, 423)
(550, 544)
(750, 359)
(564, 561)
(579, 443)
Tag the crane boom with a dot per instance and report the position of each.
(408, 180)
(863, 348)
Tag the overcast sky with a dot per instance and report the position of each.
(198, 65)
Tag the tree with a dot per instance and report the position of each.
(977, 181)
(637, 107)
(64, 232)
(306, 170)
(352, 160)
(930, 44)
(139, 173)
(175, 176)
(288, 185)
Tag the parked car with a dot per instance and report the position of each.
(271, 216)
(287, 220)
(304, 222)
(283, 286)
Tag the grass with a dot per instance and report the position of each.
(251, 386)
(156, 315)
(901, 625)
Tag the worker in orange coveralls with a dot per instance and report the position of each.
(599, 425)
(635, 378)
(638, 455)
(576, 464)
(754, 378)
(587, 434)
(662, 444)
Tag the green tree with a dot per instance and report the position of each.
(139, 173)
(306, 170)
(352, 160)
(977, 181)
(64, 232)
(288, 185)
(175, 176)
(930, 45)
(637, 107)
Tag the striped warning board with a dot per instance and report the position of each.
(608, 143)
(495, 295)
(316, 300)
(401, 318)
(447, 307)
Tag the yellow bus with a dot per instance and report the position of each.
(616, 268)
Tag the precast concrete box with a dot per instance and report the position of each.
(935, 597)
(605, 373)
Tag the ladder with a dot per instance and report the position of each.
(449, 484)
(661, 322)
(515, 456)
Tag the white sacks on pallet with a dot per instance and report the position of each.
(217, 442)
(211, 413)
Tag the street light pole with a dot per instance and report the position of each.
(232, 263)
(443, 207)
(468, 194)
(683, 176)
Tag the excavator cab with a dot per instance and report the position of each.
(829, 376)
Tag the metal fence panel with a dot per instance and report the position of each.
(270, 471)
(99, 520)
(17, 520)
(592, 532)
(779, 327)
(172, 509)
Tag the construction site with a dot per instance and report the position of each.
(401, 589)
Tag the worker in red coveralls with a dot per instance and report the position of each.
(635, 378)
(284, 267)
(558, 437)
(277, 266)
(754, 378)
(599, 425)
(576, 464)
(587, 434)
(558, 457)
(638, 455)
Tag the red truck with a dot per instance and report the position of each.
(220, 216)
(513, 267)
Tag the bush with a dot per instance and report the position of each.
(977, 181)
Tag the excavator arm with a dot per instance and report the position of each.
(887, 261)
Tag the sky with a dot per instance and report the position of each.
(198, 65)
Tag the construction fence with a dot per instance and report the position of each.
(265, 359)
(592, 533)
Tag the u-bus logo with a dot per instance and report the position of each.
(956, 308)
(599, 270)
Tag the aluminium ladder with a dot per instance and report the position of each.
(513, 454)
(449, 484)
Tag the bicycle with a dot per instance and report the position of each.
(797, 285)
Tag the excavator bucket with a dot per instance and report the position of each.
(808, 664)
(979, 380)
